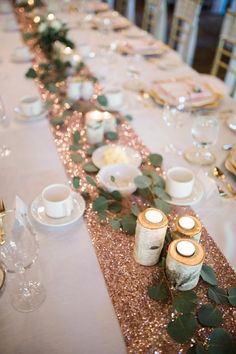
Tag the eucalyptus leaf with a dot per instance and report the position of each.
(144, 193)
(102, 215)
(57, 121)
(75, 147)
(76, 158)
(220, 342)
(100, 204)
(90, 150)
(67, 113)
(49, 103)
(156, 179)
(209, 316)
(102, 100)
(115, 207)
(90, 167)
(155, 159)
(111, 136)
(118, 121)
(45, 66)
(76, 137)
(197, 349)
(135, 210)
(116, 195)
(218, 295)
(185, 302)
(232, 296)
(162, 205)
(27, 36)
(208, 275)
(182, 328)
(115, 223)
(128, 117)
(80, 66)
(158, 292)
(128, 223)
(160, 193)
(76, 182)
(91, 181)
(142, 182)
(31, 74)
(51, 87)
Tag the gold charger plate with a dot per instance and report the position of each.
(218, 95)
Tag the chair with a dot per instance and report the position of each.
(127, 8)
(225, 57)
(155, 18)
(184, 29)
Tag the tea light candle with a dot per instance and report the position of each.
(37, 19)
(150, 236)
(186, 222)
(74, 60)
(187, 226)
(154, 216)
(109, 122)
(51, 17)
(94, 127)
(184, 263)
(185, 248)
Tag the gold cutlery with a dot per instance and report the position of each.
(2, 214)
(218, 173)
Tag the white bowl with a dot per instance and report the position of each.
(124, 175)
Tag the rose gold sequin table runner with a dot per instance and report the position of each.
(143, 321)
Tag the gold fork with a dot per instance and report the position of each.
(2, 214)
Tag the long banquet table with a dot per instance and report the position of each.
(78, 316)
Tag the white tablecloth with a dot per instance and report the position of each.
(77, 316)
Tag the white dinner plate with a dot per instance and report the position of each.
(195, 197)
(38, 212)
(132, 155)
(21, 117)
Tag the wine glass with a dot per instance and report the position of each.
(19, 253)
(175, 116)
(204, 133)
(4, 149)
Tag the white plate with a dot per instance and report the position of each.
(21, 117)
(195, 197)
(38, 212)
(17, 60)
(133, 156)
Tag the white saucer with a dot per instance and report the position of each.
(195, 197)
(21, 117)
(17, 60)
(38, 212)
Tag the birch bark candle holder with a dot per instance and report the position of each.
(150, 236)
(109, 122)
(184, 263)
(94, 127)
(187, 226)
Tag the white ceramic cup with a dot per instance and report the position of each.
(22, 52)
(57, 200)
(74, 90)
(31, 106)
(87, 90)
(114, 98)
(179, 182)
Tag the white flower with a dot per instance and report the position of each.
(42, 27)
(56, 25)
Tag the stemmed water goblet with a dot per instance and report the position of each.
(175, 116)
(4, 149)
(204, 132)
(19, 253)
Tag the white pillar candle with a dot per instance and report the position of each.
(94, 127)
(187, 226)
(150, 236)
(87, 90)
(109, 122)
(184, 263)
